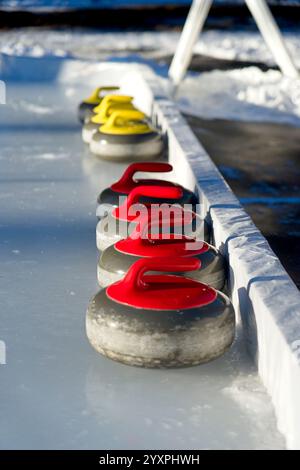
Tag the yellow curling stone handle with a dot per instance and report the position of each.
(109, 104)
(109, 99)
(126, 122)
(96, 98)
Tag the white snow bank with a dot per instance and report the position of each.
(247, 94)
(240, 45)
(244, 94)
(91, 44)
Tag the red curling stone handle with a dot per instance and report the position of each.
(151, 167)
(159, 192)
(134, 277)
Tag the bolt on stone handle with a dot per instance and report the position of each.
(96, 94)
(109, 102)
(127, 115)
(150, 167)
(108, 99)
(159, 192)
(135, 276)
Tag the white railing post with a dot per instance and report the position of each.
(272, 36)
(190, 33)
(194, 24)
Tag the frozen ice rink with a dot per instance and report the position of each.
(56, 391)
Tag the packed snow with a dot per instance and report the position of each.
(240, 45)
(247, 93)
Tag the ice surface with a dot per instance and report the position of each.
(57, 392)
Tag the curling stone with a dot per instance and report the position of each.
(85, 109)
(110, 197)
(127, 136)
(117, 259)
(121, 222)
(160, 320)
(108, 105)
